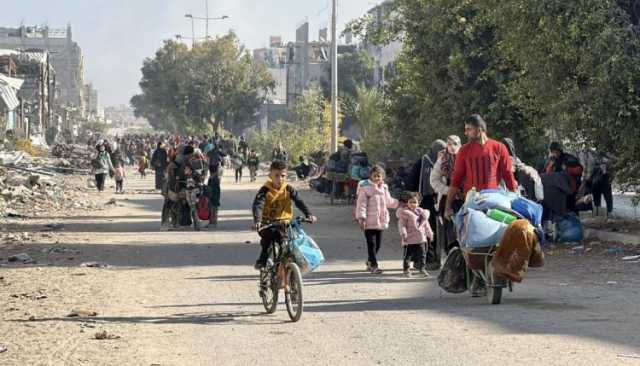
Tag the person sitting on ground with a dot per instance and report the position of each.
(273, 205)
(560, 161)
(303, 170)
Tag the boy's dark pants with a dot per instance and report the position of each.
(269, 236)
(415, 253)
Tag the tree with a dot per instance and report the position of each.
(355, 69)
(214, 84)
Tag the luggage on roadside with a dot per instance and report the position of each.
(452, 277)
(569, 230)
(359, 158)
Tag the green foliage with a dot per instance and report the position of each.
(309, 133)
(542, 70)
(355, 69)
(214, 84)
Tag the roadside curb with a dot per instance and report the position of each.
(611, 236)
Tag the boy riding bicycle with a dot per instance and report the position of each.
(274, 205)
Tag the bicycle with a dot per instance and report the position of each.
(282, 272)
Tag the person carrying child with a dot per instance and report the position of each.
(273, 206)
(374, 201)
(119, 175)
(415, 232)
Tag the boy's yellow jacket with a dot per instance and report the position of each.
(272, 204)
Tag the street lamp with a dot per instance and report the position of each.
(207, 19)
(193, 30)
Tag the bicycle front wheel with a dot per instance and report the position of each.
(268, 291)
(293, 292)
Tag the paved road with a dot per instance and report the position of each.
(185, 298)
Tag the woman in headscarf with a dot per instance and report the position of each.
(102, 166)
(420, 183)
(440, 180)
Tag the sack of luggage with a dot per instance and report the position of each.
(453, 275)
(477, 230)
(359, 158)
(569, 229)
(306, 252)
(529, 210)
(203, 208)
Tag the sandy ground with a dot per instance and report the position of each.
(187, 298)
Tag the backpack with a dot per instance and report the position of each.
(203, 208)
(453, 276)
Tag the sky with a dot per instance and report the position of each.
(117, 35)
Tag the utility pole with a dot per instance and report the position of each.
(206, 9)
(334, 79)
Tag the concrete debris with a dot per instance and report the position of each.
(81, 313)
(3, 349)
(38, 295)
(32, 185)
(94, 265)
(631, 258)
(104, 335)
(23, 258)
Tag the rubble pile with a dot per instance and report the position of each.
(32, 186)
(72, 156)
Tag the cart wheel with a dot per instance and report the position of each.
(494, 287)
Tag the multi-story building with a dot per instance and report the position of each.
(37, 93)
(384, 56)
(66, 57)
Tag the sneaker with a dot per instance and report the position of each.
(424, 273)
(376, 270)
(407, 272)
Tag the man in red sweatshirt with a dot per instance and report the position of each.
(482, 163)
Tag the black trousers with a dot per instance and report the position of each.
(415, 253)
(602, 187)
(119, 184)
(429, 203)
(238, 174)
(100, 178)
(269, 236)
(374, 241)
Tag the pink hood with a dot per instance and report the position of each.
(410, 231)
(373, 204)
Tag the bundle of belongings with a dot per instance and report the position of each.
(513, 224)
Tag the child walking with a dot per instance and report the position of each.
(415, 232)
(119, 175)
(374, 201)
(143, 164)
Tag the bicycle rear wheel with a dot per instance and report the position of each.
(269, 291)
(293, 293)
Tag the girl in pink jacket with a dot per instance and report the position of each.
(415, 232)
(372, 213)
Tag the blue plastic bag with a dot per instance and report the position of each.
(477, 230)
(489, 199)
(529, 210)
(306, 252)
(569, 230)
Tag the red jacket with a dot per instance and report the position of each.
(483, 166)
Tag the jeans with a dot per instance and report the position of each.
(374, 241)
(159, 178)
